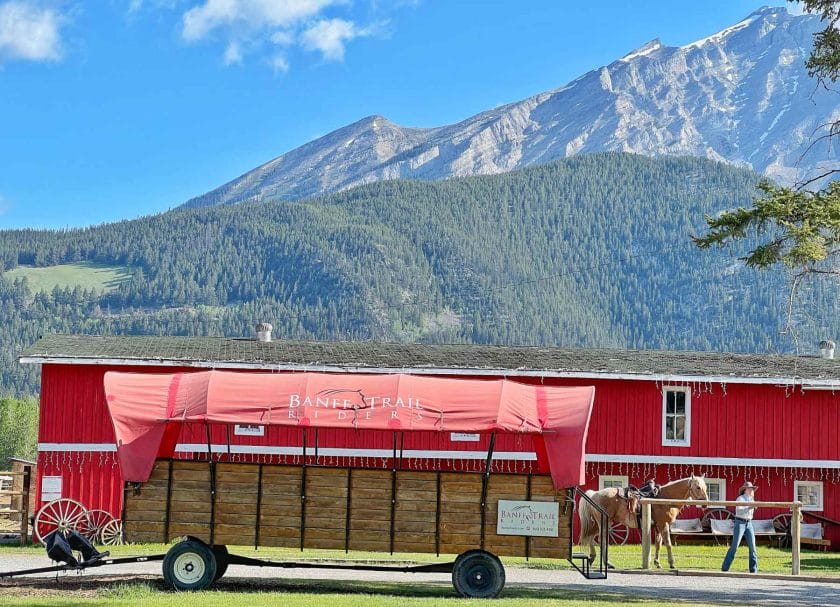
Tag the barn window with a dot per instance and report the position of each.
(676, 416)
(810, 493)
(716, 489)
(606, 481)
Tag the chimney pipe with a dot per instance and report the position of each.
(827, 348)
(264, 332)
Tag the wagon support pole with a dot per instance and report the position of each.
(795, 529)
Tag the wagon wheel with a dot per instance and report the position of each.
(63, 514)
(94, 523)
(719, 514)
(112, 533)
(619, 532)
(781, 523)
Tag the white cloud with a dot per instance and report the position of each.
(29, 32)
(328, 36)
(200, 20)
(134, 6)
(233, 53)
(273, 28)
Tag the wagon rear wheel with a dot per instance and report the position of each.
(478, 574)
(62, 514)
(189, 565)
(619, 532)
(781, 523)
(95, 521)
(221, 553)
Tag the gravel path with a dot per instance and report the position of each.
(736, 589)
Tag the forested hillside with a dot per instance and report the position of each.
(592, 250)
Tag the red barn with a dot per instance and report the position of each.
(773, 420)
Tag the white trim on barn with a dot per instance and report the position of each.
(478, 454)
(780, 382)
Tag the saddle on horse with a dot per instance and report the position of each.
(650, 490)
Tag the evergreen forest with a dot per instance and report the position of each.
(592, 250)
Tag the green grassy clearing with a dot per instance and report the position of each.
(86, 275)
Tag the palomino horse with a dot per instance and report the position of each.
(621, 507)
(662, 516)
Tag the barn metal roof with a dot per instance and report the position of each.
(369, 356)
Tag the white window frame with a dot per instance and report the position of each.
(676, 443)
(798, 484)
(624, 480)
(722, 483)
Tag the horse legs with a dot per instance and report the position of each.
(666, 532)
(658, 544)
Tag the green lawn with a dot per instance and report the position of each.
(143, 592)
(84, 274)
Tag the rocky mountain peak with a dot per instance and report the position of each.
(741, 95)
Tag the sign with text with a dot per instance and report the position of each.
(463, 437)
(248, 430)
(528, 518)
(50, 488)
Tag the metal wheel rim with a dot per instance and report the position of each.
(112, 533)
(188, 568)
(62, 514)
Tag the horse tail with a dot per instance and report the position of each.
(588, 521)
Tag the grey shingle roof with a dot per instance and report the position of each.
(467, 359)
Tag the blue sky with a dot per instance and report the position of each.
(114, 109)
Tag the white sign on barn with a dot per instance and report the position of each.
(528, 518)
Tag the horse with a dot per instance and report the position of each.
(619, 504)
(622, 506)
(693, 487)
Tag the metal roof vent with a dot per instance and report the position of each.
(827, 348)
(264, 332)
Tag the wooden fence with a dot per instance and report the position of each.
(15, 502)
(796, 518)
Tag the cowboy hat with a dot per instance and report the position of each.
(747, 485)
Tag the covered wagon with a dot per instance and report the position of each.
(378, 494)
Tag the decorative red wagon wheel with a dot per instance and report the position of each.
(112, 533)
(619, 532)
(782, 523)
(63, 514)
(718, 514)
(95, 522)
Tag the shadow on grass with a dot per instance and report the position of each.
(52, 592)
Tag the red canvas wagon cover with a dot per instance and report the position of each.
(148, 410)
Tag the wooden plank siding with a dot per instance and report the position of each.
(423, 520)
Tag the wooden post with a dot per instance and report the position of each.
(24, 506)
(795, 530)
(645, 535)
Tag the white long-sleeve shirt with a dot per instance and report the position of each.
(745, 512)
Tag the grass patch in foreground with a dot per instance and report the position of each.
(292, 593)
(84, 274)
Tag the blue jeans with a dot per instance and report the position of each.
(742, 529)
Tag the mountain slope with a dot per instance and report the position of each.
(741, 96)
(587, 251)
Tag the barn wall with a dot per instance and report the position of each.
(740, 421)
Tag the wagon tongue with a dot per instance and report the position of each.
(148, 411)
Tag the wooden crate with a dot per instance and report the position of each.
(338, 508)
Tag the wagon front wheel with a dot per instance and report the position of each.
(478, 574)
(189, 565)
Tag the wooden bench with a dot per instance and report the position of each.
(811, 534)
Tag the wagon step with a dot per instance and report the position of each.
(585, 567)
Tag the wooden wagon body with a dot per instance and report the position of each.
(341, 508)
(476, 515)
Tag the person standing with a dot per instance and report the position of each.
(743, 528)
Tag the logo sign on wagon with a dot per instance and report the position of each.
(528, 518)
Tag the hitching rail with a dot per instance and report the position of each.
(795, 519)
